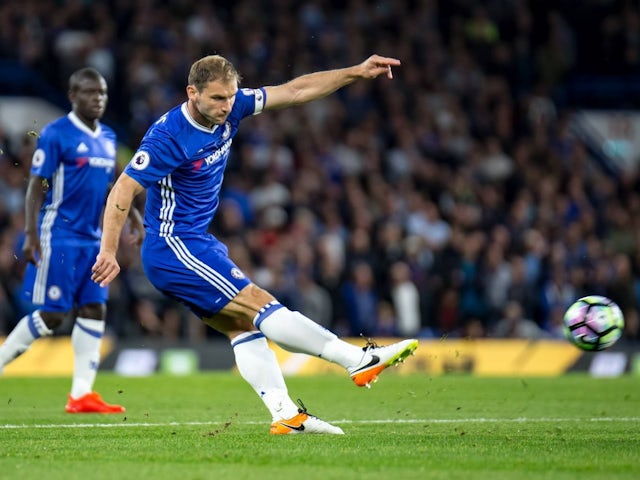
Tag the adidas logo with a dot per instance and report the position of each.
(82, 148)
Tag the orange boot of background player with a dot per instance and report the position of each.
(91, 403)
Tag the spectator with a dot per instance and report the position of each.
(479, 135)
(515, 325)
(405, 299)
(361, 300)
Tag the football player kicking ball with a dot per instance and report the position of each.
(75, 163)
(181, 161)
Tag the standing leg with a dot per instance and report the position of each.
(257, 364)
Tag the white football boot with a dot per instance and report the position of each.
(303, 422)
(377, 358)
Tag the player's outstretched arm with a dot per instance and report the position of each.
(316, 85)
(116, 212)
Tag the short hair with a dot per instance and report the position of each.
(78, 75)
(212, 68)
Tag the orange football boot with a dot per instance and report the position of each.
(91, 403)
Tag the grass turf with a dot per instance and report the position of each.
(212, 425)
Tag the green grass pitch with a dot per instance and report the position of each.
(212, 426)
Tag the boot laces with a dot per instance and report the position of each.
(302, 408)
(370, 344)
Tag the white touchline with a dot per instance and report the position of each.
(363, 422)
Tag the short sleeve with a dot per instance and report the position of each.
(46, 158)
(156, 158)
(251, 100)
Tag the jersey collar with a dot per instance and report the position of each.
(82, 126)
(190, 119)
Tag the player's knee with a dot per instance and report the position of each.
(255, 296)
(95, 311)
(52, 319)
(229, 324)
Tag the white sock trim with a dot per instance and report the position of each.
(265, 311)
(246, 337)
(37, 327)
(91, 326)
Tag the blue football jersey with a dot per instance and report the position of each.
(79, 165)
(181, 164)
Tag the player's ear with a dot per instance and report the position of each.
(192, 92)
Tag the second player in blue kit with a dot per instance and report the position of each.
(72, 169)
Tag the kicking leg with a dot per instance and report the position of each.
(295, 332)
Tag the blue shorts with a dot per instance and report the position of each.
(62, 279)
(195, 270)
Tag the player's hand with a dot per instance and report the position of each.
(376, 65)
(31, 248)
(105, 269)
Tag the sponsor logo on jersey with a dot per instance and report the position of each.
(101, 162)
(219, 153)
(197, 164)
(140, 160)
(97, 162)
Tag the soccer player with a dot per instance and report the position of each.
(180, 162)
(71, 170)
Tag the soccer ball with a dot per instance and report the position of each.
(593, 323)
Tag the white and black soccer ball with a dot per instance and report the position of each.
(593, 323)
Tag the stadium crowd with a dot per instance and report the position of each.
(452, 200)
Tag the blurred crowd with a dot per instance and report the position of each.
(452, 200)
